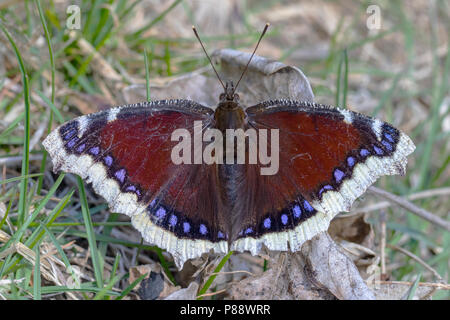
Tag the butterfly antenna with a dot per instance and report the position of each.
(251, 57)
(203, 47)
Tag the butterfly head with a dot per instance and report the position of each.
(229, 94)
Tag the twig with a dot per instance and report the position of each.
(442, 286)
(414, 196)
(419, 260)
(211, 293)
(412, 208)
(232, 272)
(383, 241)
(15, 160)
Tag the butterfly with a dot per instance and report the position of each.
(327, 157)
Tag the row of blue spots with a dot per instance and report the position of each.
(172, 222)
(339, 175)
(69, 132)
(268, 223)
(387, 142)
(389, 137)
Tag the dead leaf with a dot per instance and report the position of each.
(353, 228)
(320, 271)
(155, 285)
(265, 79)
(194, 86)
(334, 270)
(397, 290)
(189, 293)
(356, 237)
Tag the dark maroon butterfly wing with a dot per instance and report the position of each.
(328, 158)
(125, 152)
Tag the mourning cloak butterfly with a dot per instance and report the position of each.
(327, 158)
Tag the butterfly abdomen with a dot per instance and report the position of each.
(231, 171)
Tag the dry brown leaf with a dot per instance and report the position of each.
(155, 285)
(333, 269)
(353, 228)
(264, 80)
(397, 290)
(285, 280)
(189, 293)
(321, 271)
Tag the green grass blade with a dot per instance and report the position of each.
(20, 178)
(53, 109)
(12, 126)
(131, 287)
(62, 255)
(5, 216)
(343, 61)
(213, 277)
(85, 287)
(147, 76)
(108, 287)
(115, 266)
(138, 33)
(90, 234)
(438, 94)
(37, 274)
(19, 233)
(26, 140)
(38, 233)
(53, 215)
(413, 289)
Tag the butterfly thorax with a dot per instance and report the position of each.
(229, 114)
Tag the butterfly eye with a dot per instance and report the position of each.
(222, 96)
